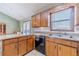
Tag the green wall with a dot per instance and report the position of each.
(12, 24)
(21, 25)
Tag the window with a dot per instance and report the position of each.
(63, 20)
(27, 28)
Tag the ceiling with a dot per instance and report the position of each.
(24, 11)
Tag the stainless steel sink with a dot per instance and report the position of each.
(60, 36)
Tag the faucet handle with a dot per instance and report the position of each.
(50, 34)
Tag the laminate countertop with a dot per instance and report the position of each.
(73, 38)
(3, 37)
(65, 37)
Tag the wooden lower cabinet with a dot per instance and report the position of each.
(18, 46)
(22, 47)
(30, 44)
(10, 50)
(66, 51)
(59, 47)
(51, 49)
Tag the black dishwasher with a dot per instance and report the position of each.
(40, 44)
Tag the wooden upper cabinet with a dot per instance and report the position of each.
(33, 21)
(66, 51)
(36, 21)
(2, 28)
(40, 20)
(44, 19)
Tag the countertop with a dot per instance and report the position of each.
(3, 37)
(65, 37)
(73, 38)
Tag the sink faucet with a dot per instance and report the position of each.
(70, 36)
(59, 35)
(65, 33)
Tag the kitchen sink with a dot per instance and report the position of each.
(60, 36)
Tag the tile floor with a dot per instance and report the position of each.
(34, 53)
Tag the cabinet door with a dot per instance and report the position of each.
(51, 49)
(33, 21)
(22, 47)
(38, 24)
(10, 49)
(66, 51)
(44, 19)
(30, 44)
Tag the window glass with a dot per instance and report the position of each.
(27, 28)
(62, 20)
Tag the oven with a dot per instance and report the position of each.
(40, 43)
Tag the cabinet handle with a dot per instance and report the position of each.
(55, 47)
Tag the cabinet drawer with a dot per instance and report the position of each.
(21, 39)
(67, 42)
(29, 37)
(50, 39)
(8, 41)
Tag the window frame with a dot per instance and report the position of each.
(72, 20)
(23, 26)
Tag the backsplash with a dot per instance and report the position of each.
(44, 30)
